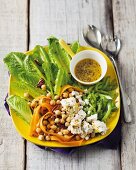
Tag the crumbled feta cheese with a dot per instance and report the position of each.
(75, 93)
(78, 97)
(91, 118)
(81, 102)
(87, 137)
(68, 102)
(99, 126)
(86, 101)
(81, 115)
(75, 126)
(86, 127)
(80, 107)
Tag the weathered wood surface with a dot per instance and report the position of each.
(13, 37)
(66, 19)
(124, 14)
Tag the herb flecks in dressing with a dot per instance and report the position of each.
(88, 70)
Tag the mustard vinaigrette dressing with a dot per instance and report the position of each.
(88, 70)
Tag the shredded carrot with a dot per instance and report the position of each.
(46, 106)
(35, 120)
(69, 143)
(64, 88)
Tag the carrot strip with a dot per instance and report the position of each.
(42, 96)
(64, 88)
(69, 143)
(47, 106)
(35, 120)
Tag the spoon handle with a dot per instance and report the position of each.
(125, 98)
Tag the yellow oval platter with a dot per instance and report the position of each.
(23, 128)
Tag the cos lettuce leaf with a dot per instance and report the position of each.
(15, 63)
(19, 88)
(23, 68)
(21, 107)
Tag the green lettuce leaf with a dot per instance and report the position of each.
(15, 63)
(21, 107)
(19, 88)
(75, 46)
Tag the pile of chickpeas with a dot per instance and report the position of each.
(58, 122)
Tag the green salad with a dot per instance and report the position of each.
(45, 71)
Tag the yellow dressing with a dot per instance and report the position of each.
(88, 70)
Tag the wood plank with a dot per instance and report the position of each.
(66, 19)
(13, 36)
(124, 26)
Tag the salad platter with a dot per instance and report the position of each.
(58, 100)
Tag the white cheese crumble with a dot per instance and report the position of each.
(99, 126)
(86, 101)
(91, 118)
(68, 102)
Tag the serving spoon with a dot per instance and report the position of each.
(92, 36)
(104, 45)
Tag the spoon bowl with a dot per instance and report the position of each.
(92, 36)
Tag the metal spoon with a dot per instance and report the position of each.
(91, 31)
(92, 36)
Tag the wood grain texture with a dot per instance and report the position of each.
(13, 36)
(124, 13)
(65, 19)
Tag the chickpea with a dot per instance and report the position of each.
(70, 94)
(58, 102)
(43, 87)
(64, 116)
(67, 124)
(38, 130)
(53, 127)
(60, 133)
(45, 122)
(68, 119)
(52, 122)
(52, 102)
(65, 131)
(33, 104)
(77, 137)
(41, 137)
(60, 97)
(49, 119)
(57, 112)
(57, 120)
(62, 121)
(48, 126)
(48, 94)
(42, 101)
(66, 136)
(63, 109)
(70, 89)
(56, 97)
(26, 95)
(65, 94)
(48, 138)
